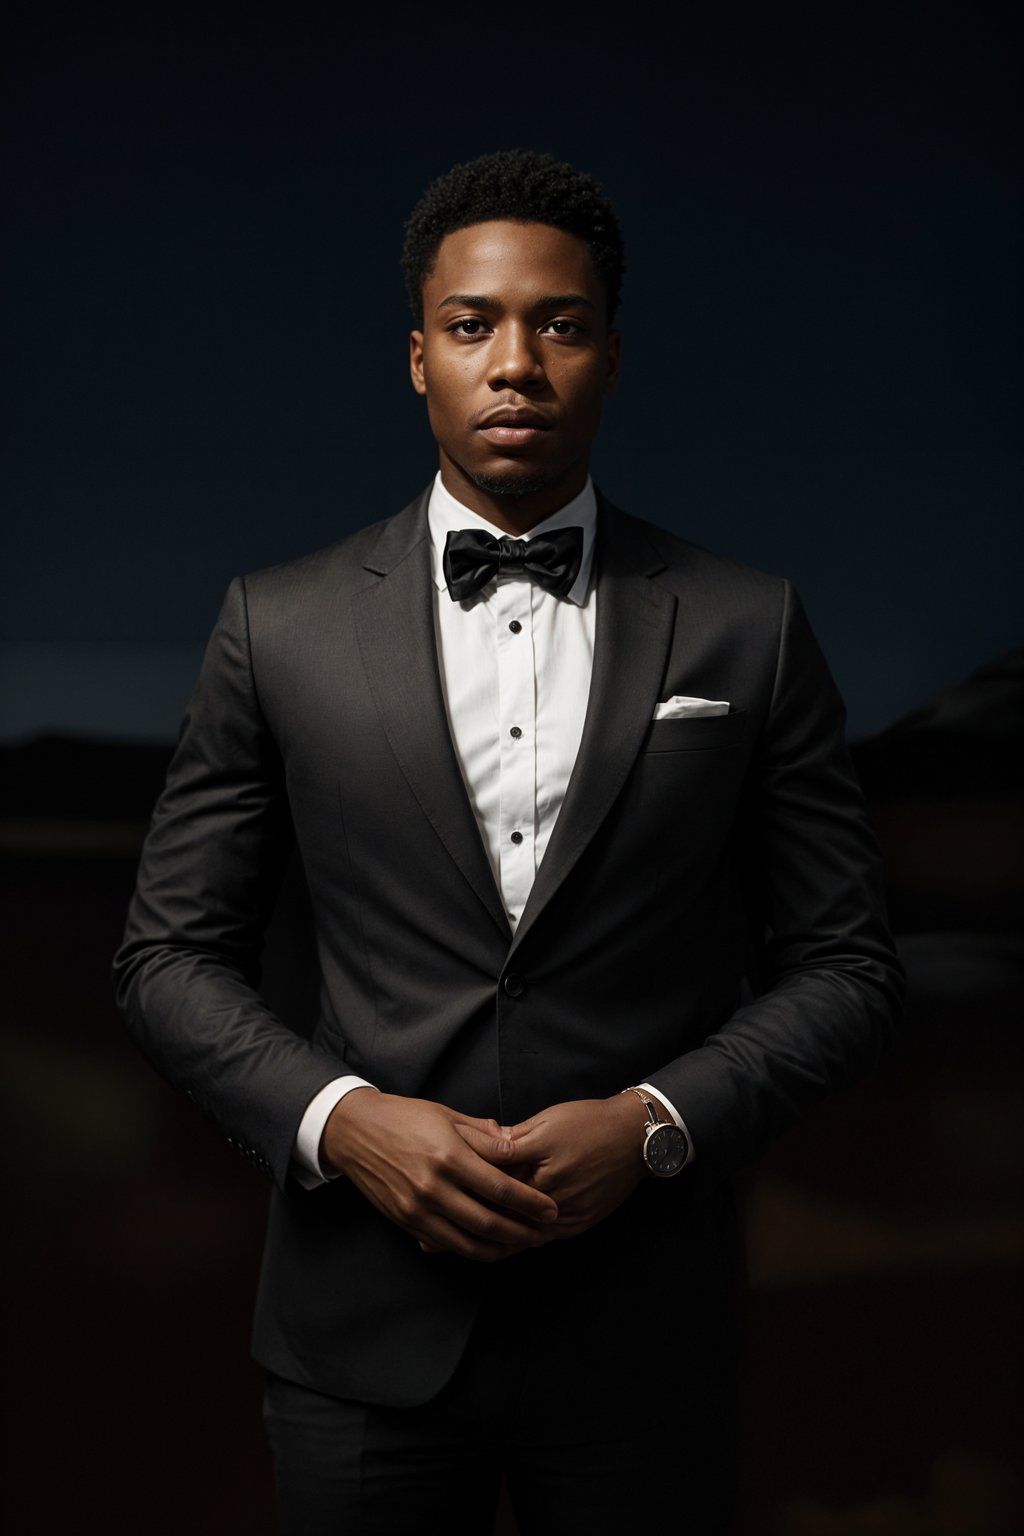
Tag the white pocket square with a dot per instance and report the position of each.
(681, 708)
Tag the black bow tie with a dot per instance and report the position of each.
(472, 558)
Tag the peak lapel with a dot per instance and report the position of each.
(395, 624)
(634, 630)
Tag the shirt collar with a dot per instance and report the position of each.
(445, 514)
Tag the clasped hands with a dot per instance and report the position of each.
(463, 1185)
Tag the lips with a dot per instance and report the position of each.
(514, 427)
(524, 417)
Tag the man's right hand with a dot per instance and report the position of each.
(436, 1174)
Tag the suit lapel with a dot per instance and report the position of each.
(634, 630)
(395, 625)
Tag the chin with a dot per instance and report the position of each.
(522, 484)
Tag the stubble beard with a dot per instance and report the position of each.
(512, 485)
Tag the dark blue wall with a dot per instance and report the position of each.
(207, 344)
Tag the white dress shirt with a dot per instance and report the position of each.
(515, 664)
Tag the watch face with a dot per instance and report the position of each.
(666, 1151)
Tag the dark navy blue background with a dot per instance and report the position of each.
(205, 337)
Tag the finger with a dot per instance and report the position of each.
(499, 1189)
(462, 1188)
(475, 1122)
(501, 1152)
(491, 1223)
(515, 1131)
(469, 1194)
(502, 1133)
(445, 1236)
(531, 1141)
(485, 1140)
(487, 1125)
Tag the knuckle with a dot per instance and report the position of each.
(407, 1205)
(426, 1186)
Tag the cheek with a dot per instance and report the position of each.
(448, 388)
(583, 389)
(438, 393)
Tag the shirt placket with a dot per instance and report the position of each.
(517, 734)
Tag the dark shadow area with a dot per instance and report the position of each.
(883, 1388)
(882, 1379)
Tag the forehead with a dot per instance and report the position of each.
(511, 261)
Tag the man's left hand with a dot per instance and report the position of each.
(586, 1154)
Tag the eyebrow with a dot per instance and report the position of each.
(484, 301)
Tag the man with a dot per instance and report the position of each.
(567, 792)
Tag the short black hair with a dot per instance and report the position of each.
(519, 184)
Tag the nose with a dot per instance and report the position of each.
(515, 361)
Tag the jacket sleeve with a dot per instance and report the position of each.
(187, 973)
(830, 983)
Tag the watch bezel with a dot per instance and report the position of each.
(667, 1135)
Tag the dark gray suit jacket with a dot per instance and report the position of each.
(688, 856)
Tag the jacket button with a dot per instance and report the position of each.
(515, 986)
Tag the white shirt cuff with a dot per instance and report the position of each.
(691, 1156)
(306, 1151)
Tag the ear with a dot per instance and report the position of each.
(614, 357)
(416, 362)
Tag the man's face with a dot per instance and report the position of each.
(515, 358)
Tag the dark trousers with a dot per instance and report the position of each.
(596, 1425)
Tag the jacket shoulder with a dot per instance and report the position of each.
(340, 569)
(691, 568)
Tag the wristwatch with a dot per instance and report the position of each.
(666, 1147)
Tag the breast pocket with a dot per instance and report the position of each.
(691, 776)
(700, 733)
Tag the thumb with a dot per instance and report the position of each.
(473, 1123)
(525, 1128)
(489, 1127)
(492, 1144)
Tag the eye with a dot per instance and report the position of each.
(467, 327)
(564, 327)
